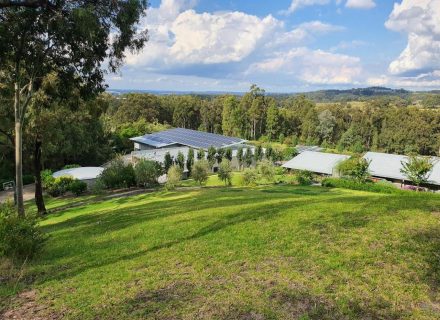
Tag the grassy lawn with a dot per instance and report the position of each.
(278, 252)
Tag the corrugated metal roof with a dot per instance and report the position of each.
(318, 162)
(83, 173)
(187, 137)
(385, 165)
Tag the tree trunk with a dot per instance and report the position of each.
(39, 200)
(18, 153)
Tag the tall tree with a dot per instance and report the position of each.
(72, 37)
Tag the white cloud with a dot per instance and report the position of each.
(181, 36)
(305, 31)
(420, 19)
(296, 4)
(360, 4)
(218, 38)
(311, 66)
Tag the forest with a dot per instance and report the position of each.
(63, 129)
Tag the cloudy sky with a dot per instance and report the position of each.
(286, 45)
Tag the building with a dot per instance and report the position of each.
(86, 174)
(154, 146)
(180, 137)
(388, 166)
(317, 162)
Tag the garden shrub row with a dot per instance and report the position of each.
(382, 187)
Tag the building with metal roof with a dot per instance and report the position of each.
(83, 173)
(388, 166)
(180, 137)
(318, 162)
(301, 148)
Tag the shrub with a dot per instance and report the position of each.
(382, 187)
(28, 179)
(147, 172)
(225, 172)
(98, 187)
(267, 170)
(356, 168)
(174, 175)
(118, 175)
(47, 178)
(78, 187)
(59, 186)
(289, 153)
(200, 171)
(249, 177)
(303, 178)
(20, 238)
(417, 169)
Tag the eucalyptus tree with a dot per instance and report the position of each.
(74, 38)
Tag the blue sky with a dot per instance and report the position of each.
(286, 46)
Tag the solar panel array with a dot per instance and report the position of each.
(187, 137)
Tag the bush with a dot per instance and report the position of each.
(147, 173)
(59, 186)
(382, 187)
(174, 175)
(249, 177)
(225, 172)
(356, 168)
(303, 178)
(20, 238)
(267, 170)
(78, 187)
(28, 179)
(46, 178)
(98, 187)
(118, 175)
(200, 171)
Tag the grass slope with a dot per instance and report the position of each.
(279, 252)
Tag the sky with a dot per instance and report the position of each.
(285, 46)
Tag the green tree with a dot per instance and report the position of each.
(267, 170)
(190, 160)
(219, 155)
(248, 157)
(211, 156)
(35, 41)
(200, 171)
(417, 169)
(249, 177)
(225, 172)
(174, 176)
(180, 160)
(272, 121)
(167, 162)
(200, 154)
(147, 173)
(356, 168)
(228, 154)
(259, 153)
(326, 125)
(240, 157)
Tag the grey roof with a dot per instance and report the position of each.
(318, 162)
(385, 165)
(186, 137)
(83, 173)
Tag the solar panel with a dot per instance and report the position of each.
(187, 137)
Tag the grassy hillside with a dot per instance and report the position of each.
(280, 252)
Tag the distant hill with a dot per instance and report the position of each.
(331, 95)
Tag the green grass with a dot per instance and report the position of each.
(278, 252)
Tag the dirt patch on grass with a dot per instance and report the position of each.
(25, 307)
(152, 302)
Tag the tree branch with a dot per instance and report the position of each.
(28, 4)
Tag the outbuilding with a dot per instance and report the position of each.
(317, 162)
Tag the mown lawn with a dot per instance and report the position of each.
(278, 252)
